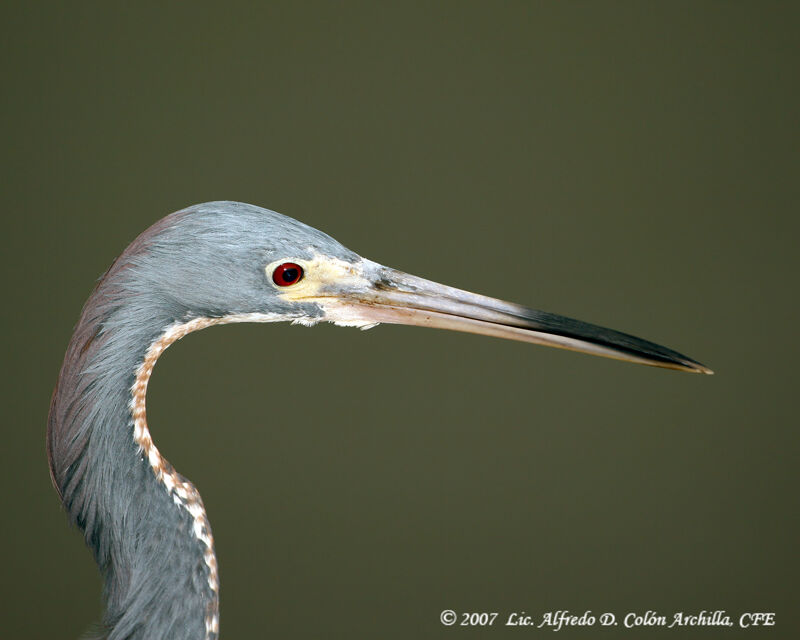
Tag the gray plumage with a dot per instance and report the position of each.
(204, 261)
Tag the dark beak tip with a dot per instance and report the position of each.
(695, 367)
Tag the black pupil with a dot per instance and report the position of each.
(289, 275)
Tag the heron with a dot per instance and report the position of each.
(212, 264)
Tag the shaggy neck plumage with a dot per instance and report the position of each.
(156, 567)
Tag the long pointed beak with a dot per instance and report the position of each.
(385, 295)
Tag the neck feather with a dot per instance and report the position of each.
(145, 523)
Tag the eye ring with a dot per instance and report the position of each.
(287, 274)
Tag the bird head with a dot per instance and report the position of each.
(227, 259)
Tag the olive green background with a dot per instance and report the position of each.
(629, 164)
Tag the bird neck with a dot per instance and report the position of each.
(144, 522)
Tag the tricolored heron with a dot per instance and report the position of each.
(210, 264)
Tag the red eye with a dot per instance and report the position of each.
(287, 273)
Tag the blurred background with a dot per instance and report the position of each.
(629, 164)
